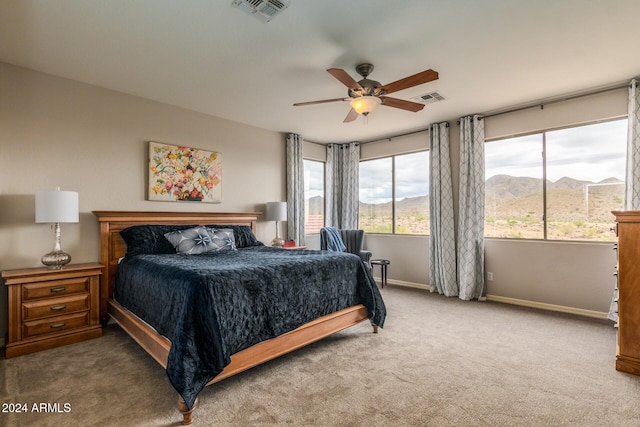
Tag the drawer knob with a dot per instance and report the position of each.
(58, 307)
(57, 325)
(60, 289)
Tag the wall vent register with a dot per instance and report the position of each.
(428, 98)
(264, 10)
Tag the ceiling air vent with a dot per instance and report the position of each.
(428, 98)
(264, 10)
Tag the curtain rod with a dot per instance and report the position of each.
(557, 100)
(389, 138)
(513, 110)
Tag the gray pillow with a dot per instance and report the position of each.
(191, 241)
(223, 239)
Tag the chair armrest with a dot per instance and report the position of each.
(365, 256)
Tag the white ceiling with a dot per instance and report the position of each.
(208, 56)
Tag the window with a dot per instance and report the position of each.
(394, 194)
(376, 195)
(571, 177)
(513, 188)
(313, 196)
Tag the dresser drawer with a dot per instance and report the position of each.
(55, 288)
(55, 307)
(54, 324)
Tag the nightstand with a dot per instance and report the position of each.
(50, 308)
(299, 248)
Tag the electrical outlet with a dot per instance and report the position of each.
(489, 275)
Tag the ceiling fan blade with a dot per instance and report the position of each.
(323, 101)
(407, 82)
(402, 104)
(351, 116)
(345, 78)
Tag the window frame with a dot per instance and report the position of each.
(544, 152)
(394, 192)
(324, 195)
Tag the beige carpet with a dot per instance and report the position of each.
(438, 362)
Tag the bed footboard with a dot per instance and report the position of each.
(158, 346)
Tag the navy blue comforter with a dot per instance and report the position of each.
(213, 305)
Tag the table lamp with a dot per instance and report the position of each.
(277, 211)
(56, 206)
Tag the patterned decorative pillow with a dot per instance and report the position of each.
(223, 239)
(191, 241)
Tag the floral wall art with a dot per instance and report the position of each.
(178, 173)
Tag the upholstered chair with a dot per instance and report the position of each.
(352, 241)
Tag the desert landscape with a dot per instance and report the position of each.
(577, 210)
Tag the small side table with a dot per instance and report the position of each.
(383, 263)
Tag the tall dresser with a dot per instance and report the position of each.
(628, 232)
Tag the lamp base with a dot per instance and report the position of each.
(55, 260)
(277, 242)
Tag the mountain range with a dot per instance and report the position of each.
(505, 186)
(498, 187)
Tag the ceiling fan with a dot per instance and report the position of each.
(367, 94)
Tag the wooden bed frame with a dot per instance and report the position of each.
(112, 248)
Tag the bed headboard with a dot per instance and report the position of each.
(112, 247)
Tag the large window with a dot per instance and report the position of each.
(313, 196)
(557, 185)
(513, 188)
(394, 194)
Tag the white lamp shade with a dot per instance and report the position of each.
(365, 104)
(276, 211)
(56, 206)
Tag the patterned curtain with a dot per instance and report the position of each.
(471, 209)
(295, 189)
(442, 241)
(632, 188)
(632, 181)
(342, 185)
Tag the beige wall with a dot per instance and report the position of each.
(57, 132)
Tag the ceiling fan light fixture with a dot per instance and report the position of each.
(365, 104)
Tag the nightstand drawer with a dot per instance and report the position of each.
(54, 324)
(55, 288)
(54, 307)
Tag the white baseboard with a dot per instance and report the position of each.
(550, 307)
(405, 284)
(515, 301)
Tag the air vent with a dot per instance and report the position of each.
(264, 10)
(428, 98)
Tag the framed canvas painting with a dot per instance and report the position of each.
(178, 173)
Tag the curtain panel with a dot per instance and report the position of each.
(632, 179)
(632, 182)
(442, 241)
(342, 185)
(295, 189)
(471, 209)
